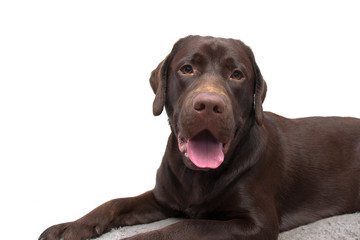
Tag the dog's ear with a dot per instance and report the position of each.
(260, 94)
(158, 80)
(260, 86)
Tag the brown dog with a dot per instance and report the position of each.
(233, 170)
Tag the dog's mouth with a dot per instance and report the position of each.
(203, 150)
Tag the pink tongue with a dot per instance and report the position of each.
(204, 151)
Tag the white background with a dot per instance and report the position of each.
(76, 124)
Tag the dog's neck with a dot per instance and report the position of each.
(206, 184)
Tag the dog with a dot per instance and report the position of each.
(231, 170)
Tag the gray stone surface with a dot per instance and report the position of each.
(344, 227)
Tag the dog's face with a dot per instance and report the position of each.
(212, 90)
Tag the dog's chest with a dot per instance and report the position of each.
(196, 212)
(200, 204)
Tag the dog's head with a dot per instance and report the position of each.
(212, 90)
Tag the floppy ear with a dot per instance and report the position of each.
(260, 93)
(260, 87)
(158, 78)
(158, 84)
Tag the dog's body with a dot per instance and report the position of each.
(235, 171)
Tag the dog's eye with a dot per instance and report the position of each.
(236, 75)
(187, 69)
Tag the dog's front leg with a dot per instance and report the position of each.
(112, 214)
(239, 229)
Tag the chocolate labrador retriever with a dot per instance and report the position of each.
(232, 170)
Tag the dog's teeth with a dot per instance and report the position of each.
(186, 155)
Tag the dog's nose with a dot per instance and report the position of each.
(209, 103)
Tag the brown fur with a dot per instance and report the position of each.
(277, 174)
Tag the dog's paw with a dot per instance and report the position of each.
(71, 231)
